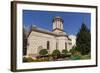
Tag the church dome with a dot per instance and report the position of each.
(57, 18)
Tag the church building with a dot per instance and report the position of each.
(39, 38)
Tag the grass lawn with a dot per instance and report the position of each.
(86, 57)
(80, 57)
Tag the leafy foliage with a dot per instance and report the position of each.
(56, 53)
(72, 51)
(43, 52)
(83, 40)
(64, 51)
(28, 59)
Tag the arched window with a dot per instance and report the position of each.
(48, 45)
(65, 45)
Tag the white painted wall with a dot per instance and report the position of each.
(37, 39)
(5, 38)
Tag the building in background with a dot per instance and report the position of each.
(39, 38)
(73, 40)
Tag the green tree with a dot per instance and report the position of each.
(83, 40)
(43, 52)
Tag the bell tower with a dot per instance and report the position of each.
(57, 24)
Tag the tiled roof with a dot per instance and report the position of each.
(47, 31)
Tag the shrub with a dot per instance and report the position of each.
(76, 55)
(43, 52)
(25, 59)
(29, 59)
(73, 50)
(56, 53)
(64, 51)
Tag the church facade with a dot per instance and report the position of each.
(44, 39)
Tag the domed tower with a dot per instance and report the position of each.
(57, 24)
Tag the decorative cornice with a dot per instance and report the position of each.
(46, 32)
(57, 29)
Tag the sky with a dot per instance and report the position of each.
(43, 19)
